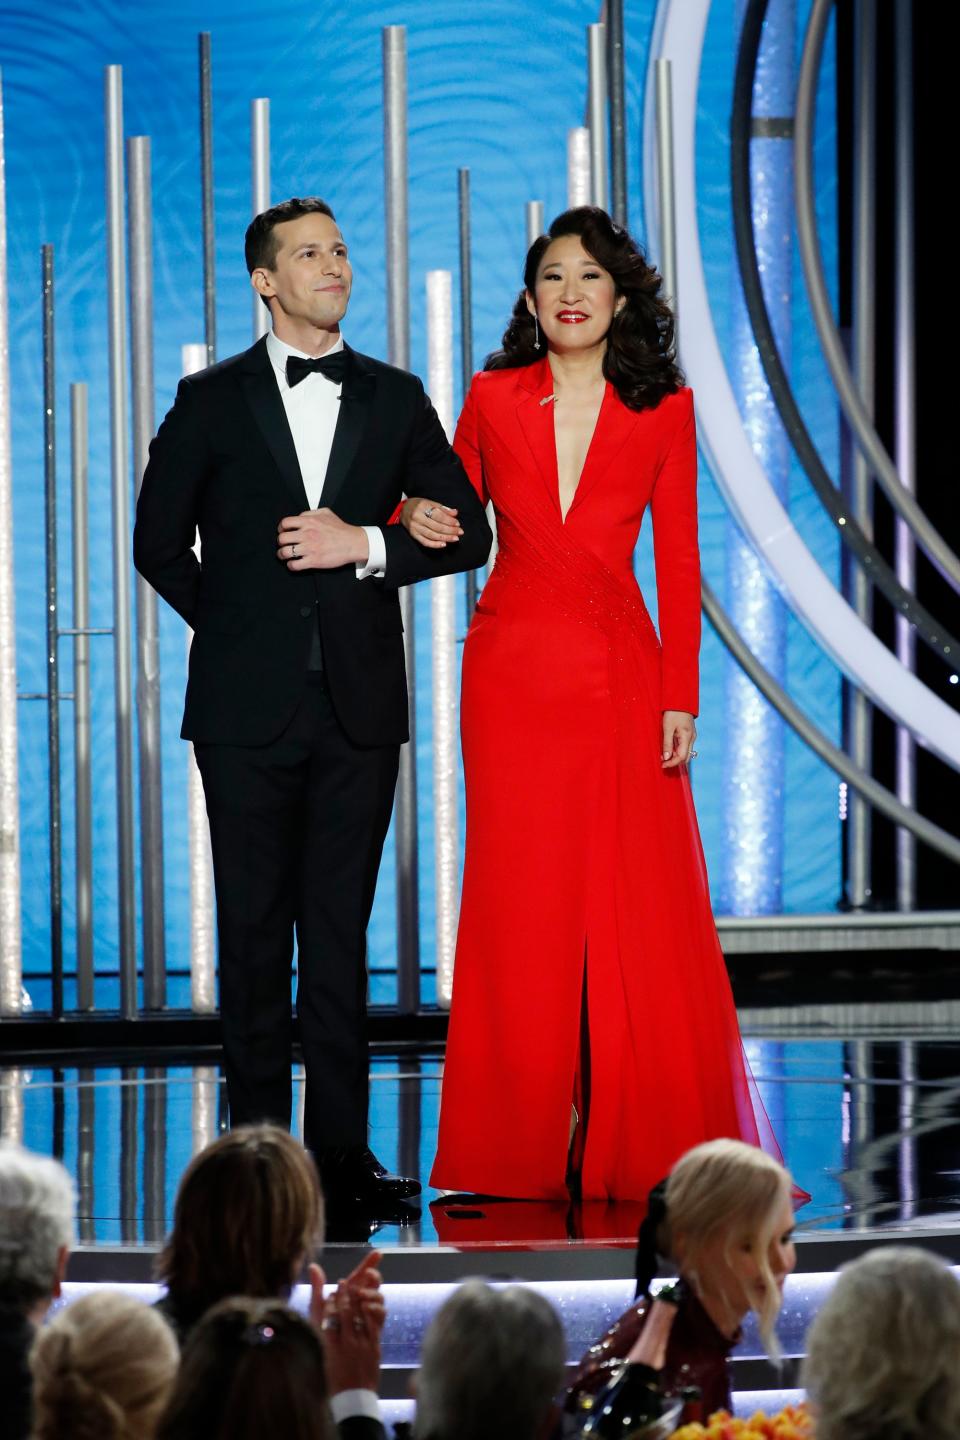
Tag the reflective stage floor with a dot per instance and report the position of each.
(865, 1100)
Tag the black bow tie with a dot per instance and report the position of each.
(331, 367)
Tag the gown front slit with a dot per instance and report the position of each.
(588, 965)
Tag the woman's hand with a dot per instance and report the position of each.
(430, 524)
(349, 1323)
(679, 733)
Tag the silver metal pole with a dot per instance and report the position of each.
(83, 801)
(859, 888)
(53, 638)
(86, 1151)
(203, 928)
(597, 112)
(203, 1107)
(11, 976)
(443, 599)
(667, 198)
(260, 188)
(398, 349)
(466, 330)
(120, 482)
(534, 219)
(148, 625)
(905, 418)
(578, 166)
(206, 198)
(616, 88)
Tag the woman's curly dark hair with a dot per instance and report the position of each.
(640, 359)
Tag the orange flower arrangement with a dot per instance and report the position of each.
(793, 1423)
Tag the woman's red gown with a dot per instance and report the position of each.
(588, 965)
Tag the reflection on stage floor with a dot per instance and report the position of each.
(869, 1123)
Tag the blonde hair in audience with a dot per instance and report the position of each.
(102, 1370)
(883, 1354)
(728, 1187)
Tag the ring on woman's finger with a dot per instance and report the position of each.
(428, 511)
(330, 1322)
(358, 1324)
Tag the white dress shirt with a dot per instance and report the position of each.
(312, 408)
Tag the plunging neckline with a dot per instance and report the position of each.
(564, 516)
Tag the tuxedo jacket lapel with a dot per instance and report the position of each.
(263, 396)
(356, 398)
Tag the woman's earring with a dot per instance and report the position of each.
(536, 332)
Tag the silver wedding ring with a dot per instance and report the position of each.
(429, 511)
(330, 1322)
(358, 1324)
(293, 552)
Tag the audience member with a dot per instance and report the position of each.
(248, 1214)
(251, 1370)
(36, 1231)
(492, 1363)
(102, 1369)
(723, 1220)
(883, 1354)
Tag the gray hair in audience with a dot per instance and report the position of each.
(492, 1363)
(883, 1354)
(37, 1203)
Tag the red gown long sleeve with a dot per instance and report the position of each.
(587, 961)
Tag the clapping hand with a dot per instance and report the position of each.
(430, 523)
(349, 1323)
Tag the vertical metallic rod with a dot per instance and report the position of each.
(129, 1129)
(907, 1145)
(667, 197)
(86, 1150)
(534, 217)
(859, 887)
(154, 1153)
(83, 793)
(206, 198)
(203, 928)
(466, 330)
(616, 90)
(443, 599)
(260, 190)
(53, 668)
(597, 112)
(398, 350)
(578, 166)
(203, 1107)
(751, 876)
(905, 411)
(120, 482)
(148, 625)
(10, 922)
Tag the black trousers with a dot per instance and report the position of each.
(297, 830)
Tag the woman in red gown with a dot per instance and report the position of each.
(588, 970)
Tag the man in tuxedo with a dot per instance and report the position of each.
(289, 460)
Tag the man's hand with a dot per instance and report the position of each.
(679, 733)
(430, 523)
(320, 540)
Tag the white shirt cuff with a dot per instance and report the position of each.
(349, 1403)
(377, 559)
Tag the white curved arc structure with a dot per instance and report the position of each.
(678, 36)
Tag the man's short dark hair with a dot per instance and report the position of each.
(261, 243)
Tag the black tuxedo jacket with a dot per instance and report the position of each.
(223, 463)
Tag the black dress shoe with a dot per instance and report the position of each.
(353, 1173)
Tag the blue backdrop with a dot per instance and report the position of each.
(495, 89)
